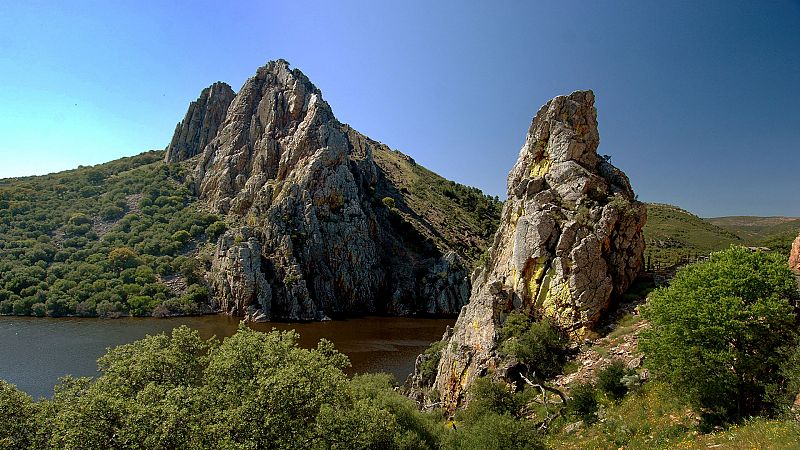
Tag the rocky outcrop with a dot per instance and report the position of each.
(201, 123)
(311, 236)
(570, 239)
(794, 256)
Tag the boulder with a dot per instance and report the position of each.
(794, 256)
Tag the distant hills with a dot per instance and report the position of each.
(673, 233)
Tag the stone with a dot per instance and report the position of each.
(794, 256)
(201, 123)
(570, 241)
(309, 236)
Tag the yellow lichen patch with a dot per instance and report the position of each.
(534, 273)
(516, 214)
(544, 287)
(557, 296)
(540, 167)
(513, 278)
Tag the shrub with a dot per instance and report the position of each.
(539, 345)
(430, 360)
(583, 404)
(610, 380)
(388, 202)
(215, 229)
(720, 330)
(111, 212)
(181, 236)
(123, 258)
(17, 414)
(494, 431)
(38, 309)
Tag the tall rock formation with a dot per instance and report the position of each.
(570, 239)
(312, 235)
(201, 123)
(794, 256)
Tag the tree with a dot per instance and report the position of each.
(123, 258)
(720, 330)
(17, 412)
(254, 390)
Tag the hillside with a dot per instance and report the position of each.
(776, 233)
(672, 233)
(324, 221)
(129, 237)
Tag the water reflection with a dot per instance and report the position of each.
(35, 352)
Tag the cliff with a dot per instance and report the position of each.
(201, 122)
(324, 221)
(570, 239)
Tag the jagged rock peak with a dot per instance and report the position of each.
(201, 123)
(310, 237)
(570, 238)
(277, 118)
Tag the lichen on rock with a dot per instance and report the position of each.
(570, 239)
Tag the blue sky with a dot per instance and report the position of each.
(698, 102)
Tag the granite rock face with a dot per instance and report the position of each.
(311, 237)
(201, 123)
(570, 239)
(794, 256)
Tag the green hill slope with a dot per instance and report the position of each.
(776, 233)
(672, 233)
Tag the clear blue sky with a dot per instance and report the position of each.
(699, 102)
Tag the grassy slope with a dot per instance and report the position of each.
(654, 418)
(776, 233)
(453, 216)
(672, 233)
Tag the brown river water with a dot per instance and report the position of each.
(35, 352)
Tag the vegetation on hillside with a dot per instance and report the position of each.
(253, 390)
(722, 351)
(721, 330)
(776, 233)
(452, 215)
(129, 237)
(672, 234)
(103, 241)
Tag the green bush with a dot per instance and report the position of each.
(215, 229)
(39, 309)
(430, 362)
(181, 236)
(388, 202)
(610, 380)
(17, 414)
(720, 330)
(254, 390)
(494, 431)
(540, 345)
(583, 404)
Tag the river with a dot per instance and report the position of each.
(35, 352)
